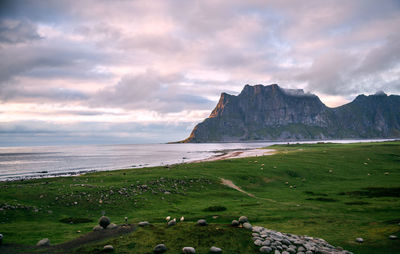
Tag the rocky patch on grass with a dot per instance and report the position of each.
(270, 241)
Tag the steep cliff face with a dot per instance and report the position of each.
(272, 113)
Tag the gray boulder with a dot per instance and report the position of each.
(108, 248)
(243, 219)
(43, 242)
(258, 242)
(235, 223)
(214, 249)
(265, 249)
(248, 226)
(188, 250)
(1, 239)
(202, 222)
(160, 248)
(97, 228)
(104, 221)
(393, 237)
(112, 226)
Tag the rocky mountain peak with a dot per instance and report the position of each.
(273, 113)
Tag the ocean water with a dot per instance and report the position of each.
(48, 161)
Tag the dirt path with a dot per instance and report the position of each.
(229, 183)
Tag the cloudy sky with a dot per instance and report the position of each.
(103, 71)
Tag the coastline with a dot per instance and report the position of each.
(238, 153)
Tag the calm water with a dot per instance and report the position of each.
(28, 162)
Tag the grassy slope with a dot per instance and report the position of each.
(326, 178)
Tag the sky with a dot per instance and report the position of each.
(118, 72)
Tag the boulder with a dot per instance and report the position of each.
(43, 242)
(266, 249)
(235, 223)
(202, 222)
(104, 221)
(214, 249)
(112, 226)
(97, 228)
(1, 239)
(247, 225)
(188, 250)
(160, 248)
(243, 219)
(108, 248)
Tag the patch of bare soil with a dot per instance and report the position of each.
(66, 247)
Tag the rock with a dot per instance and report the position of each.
(143, 223)
(266, 243)
(309, 252)
(160, 248)
(43, 242)
(247, 225)
(277, 252)
(171, 223)
(258, 242)
(188, 250)
(214, 249)
(112, 226)
(291, 250)
(393, 237)
(235, 223)
(108, 248)
(97, 228)
(359, 240)
(202, 222)
(285, 252)
(286, 242)
(1, 239)
(104, 221)
(301, 249)
(243, 219)
(265, 249)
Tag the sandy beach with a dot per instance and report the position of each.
(240, 154)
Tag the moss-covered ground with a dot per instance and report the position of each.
(333, 191)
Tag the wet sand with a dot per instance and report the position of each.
(240, 154)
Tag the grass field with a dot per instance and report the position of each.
(333, 191)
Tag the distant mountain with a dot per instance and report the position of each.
(273, 113)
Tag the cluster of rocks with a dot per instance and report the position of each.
(6, 206)
(104, 223)
(243, 221)
(161, 186)
(161, 248)
(271, 241)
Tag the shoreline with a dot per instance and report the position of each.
(226, 154)
(238, 153)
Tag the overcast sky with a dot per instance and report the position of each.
(119, 71)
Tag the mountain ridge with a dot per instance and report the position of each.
(273, 113)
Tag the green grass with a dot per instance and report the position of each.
(334, 191)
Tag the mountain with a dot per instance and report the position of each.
(273, 113)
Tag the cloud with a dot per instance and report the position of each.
(47, 133)
(17, 31)
(151, 90)
(157, 60)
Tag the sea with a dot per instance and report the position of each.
(18, 163)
